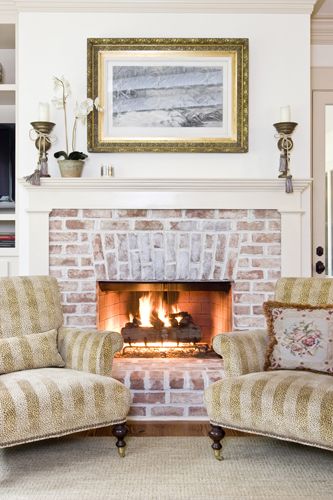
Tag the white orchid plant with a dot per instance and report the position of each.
(62, 91)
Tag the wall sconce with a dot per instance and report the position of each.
(41, 135)
(284, 129)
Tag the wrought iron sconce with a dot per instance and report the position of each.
(285, 145)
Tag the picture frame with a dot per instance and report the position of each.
(168, 95)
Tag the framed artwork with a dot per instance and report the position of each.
(168, 95)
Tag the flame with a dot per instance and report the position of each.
(145, 308)
(175, 311)
(162, 315)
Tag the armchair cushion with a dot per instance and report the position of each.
(37, 350)
(314, 291)
(300, 337)
(242, 352)
(285, 404)
(49, 402)
(29, 304)
(88, 350)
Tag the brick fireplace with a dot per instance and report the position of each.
(89, 245)
(247, 232)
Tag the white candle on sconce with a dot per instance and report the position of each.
(285, 114)
(44, 112)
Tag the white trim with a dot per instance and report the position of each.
(158, 185)
(322, 30)
(7, 16)
(189, 6)
(8, 87)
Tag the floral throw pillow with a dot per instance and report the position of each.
(300, 337)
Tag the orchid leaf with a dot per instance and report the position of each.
(77, 155)
(59, 154)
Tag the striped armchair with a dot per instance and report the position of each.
(285, 404)
(53, 380)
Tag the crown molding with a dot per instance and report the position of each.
(322, 30)
(167, 6)
(8, 11)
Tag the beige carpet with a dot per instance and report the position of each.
(165, 468)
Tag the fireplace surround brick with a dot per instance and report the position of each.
(100, 244)
(174, 387)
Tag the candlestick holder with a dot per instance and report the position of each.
(43, 143)
(41, 135)
(285, 145)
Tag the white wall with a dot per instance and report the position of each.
(55, 44)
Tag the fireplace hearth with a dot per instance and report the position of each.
(165, 315)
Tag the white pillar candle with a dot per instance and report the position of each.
(44, 112)
(285, 114)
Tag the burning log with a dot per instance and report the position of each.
(186, 319)
(143, 334)
(151, 335)
(183, 330)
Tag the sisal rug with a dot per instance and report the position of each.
(165, 468)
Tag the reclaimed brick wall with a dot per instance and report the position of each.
(89, 245)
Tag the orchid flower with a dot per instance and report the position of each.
(62, 90)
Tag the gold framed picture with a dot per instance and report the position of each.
(168, 95)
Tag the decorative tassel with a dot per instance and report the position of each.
(34, 178)
(289, 184)
(283, 163)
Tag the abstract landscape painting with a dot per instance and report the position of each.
(167, 96)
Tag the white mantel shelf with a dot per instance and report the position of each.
(200, 193)
(158, 184)
(126, 193)
(151, 6)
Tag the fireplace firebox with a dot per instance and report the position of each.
(165, 314)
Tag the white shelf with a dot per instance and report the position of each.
(5, 217)
(7, 87)
(8, 252)
(162, 184)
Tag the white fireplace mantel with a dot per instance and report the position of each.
(129, 193)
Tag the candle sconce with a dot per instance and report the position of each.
(41, 135)
(285, 145)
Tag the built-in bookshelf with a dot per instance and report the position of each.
(8, 248)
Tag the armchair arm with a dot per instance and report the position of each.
(242, 352)
(88, 350)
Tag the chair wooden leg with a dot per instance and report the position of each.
(120, 431)
(217, 434)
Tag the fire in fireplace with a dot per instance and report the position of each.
(165, 314)
(157, 320)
